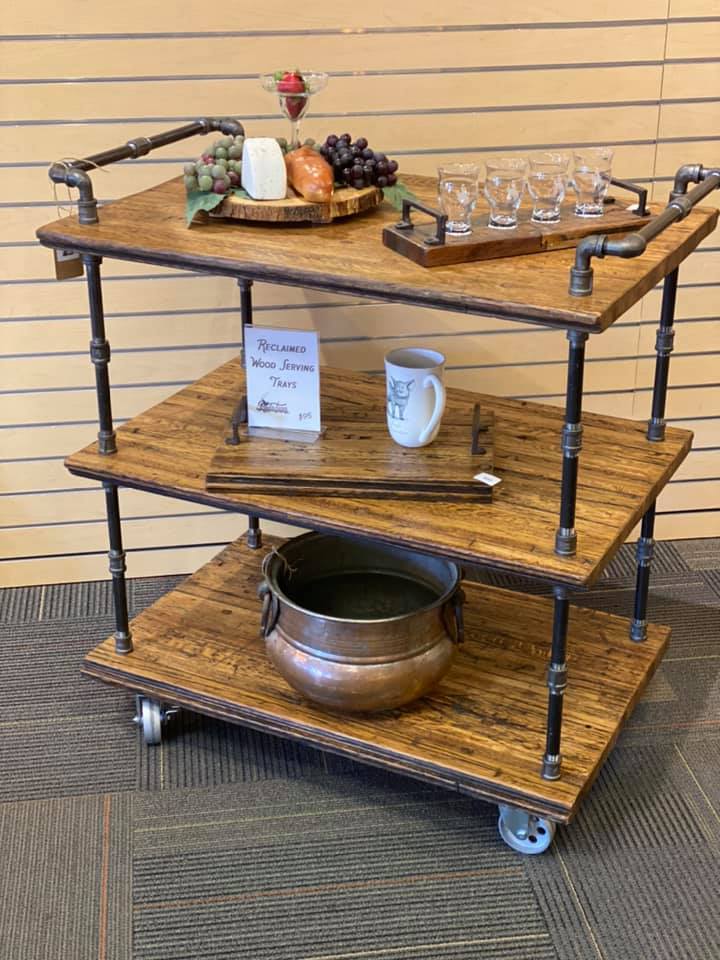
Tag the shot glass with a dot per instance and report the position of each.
(591, 179)
(504, 185)
(547, 183)
(458, 195)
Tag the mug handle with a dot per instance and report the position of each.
(432, 381)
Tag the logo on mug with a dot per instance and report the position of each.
(398, 397)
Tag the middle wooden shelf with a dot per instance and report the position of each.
(169, 449)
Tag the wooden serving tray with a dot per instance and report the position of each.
(488, 243)
(356, 457)
(345, 202)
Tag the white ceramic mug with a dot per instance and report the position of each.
(415, 395)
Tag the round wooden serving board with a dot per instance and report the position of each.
(345, 202)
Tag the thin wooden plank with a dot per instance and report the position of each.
(691, 495)
(169, 449)
(687, 526)
(685, 79)
(481, 730)
(428, 91)
(693, 40)
(348, 259)
(688, 119)
(137, 16)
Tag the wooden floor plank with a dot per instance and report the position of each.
(169, 450)
(481, 730)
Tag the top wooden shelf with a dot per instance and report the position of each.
(348, 257)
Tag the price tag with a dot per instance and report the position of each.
(283, 378)
(489, 479)
(67, 264)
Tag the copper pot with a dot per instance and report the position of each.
(359, 626)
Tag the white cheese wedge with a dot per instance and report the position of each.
(263, 169)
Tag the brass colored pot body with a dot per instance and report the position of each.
(376, 658)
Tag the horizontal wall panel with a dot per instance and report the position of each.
(55, 440)
(703, 266)
(693, 494)
(682, 402)
(685, 370)
(138, 16)
(187, 291)
(691, 302)
(472, 132)
(38, 475)
(37, 263)
(691, 80)
(74, 405)
(690, 335)
(689, 119)
(687, 526)
(693, 40)
(358, 94)
(699, 465)
(670, 156)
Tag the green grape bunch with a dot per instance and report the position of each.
(218, 169)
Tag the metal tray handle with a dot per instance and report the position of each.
(439, 218)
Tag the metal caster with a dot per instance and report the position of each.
(151, 716)
(523, 831)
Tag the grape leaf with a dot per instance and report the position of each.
(397, 193)
(198, 200)
(240, 192)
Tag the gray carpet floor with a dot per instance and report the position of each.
(224, 844)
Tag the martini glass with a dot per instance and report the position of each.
(294, 105)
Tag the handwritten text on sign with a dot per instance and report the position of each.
(283, 378)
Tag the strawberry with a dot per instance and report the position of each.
(289, 82)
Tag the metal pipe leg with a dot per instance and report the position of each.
(566, 537)
(663, 349)
(123, 638)
(254, 533)
(645, 550)
(556, 681)
(100, 354)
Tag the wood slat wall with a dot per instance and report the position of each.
(425, 81)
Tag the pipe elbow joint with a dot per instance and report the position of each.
(686, 174)
(631, 245)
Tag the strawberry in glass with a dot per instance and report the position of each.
(292, 82)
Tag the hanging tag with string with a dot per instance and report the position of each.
(67, 261)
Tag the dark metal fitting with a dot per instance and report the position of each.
(557, 678)
(577, 337)
(99, 351)
(683, 204)
(117, 561)
(687, 173)
(550, 769)
(644, 551)
(566, 541)
(228, 126)
(664, 341)
(107, 441)
(139, 146)
(254, 538)
(572, 439)
(656, 429)
(638, 630)
(560, 593)
(581, 281)
(123, 641)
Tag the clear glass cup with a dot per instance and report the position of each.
(591, 179)
(458, 193)
(547, 184)
(504, 184)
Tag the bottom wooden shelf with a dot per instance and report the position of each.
(481, 731)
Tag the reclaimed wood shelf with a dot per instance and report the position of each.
(530, 288)
(355, 456)
(481, 731)
(169, 449)
(345, 202)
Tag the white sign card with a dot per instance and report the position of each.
(283, 378)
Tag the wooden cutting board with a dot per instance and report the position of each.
(345, 202)
(356, 457)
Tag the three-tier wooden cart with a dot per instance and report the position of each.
(531, 669)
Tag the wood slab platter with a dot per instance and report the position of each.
(480, 731)
(489, 243)
(356, 457)
(345, 202)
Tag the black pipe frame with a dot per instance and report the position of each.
(566, 537)
(123, 637)
(633, 244)
(254, 533)
(74, 173)
(557, 682)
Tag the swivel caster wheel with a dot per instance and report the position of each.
(151, 717)
(523, 831)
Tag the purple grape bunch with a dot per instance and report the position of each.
(355, 164)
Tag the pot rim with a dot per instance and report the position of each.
(275, 559)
